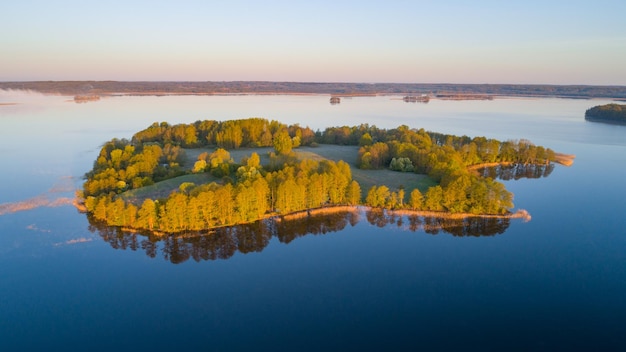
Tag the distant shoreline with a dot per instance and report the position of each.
(470, 91)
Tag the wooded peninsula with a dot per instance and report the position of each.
(610, 113)
(177, 178)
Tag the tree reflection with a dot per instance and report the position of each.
(517, 171)
(471, 226)
(223, 243)
(288, 230)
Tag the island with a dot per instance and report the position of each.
(214, 174)
(608, 113)
(414, 99)
(85, 98)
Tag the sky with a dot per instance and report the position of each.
(369, 41)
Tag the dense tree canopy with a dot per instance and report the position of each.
(609, 113)
(248, 191)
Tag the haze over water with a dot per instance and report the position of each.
(556, 282)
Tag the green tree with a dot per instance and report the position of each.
(433, 199)
(455, 194)
(401, 164)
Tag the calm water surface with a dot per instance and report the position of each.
(556, 282)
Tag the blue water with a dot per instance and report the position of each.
(557, 282)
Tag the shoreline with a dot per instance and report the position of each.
(607, 121)
(565, 159)
(468, 97)
(330, 210)
(560, 158)
(347, 89)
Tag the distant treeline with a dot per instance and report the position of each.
(339, 89)
(246, 191)
(607, 113)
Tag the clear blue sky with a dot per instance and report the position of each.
(547, 42)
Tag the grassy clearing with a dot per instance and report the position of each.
(164, 188)
(347, 153)
(366, 178)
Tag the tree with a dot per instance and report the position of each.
(224, 205)
(206, 207)
(176, 218)
(230, 136)
(130, 216)
(317, 194)
(191, 136)
(415, 199)
(401, 164)
(455, 194)
(353, 193)
(147, 215)
(100, 211)
(199, 166)
(185, 187)
(401, 195)
(253, 161)
(366, 139)
(378, 196)
(246, 202)
(283, 143)
(220, 162)
(434, 198)
(262, 190)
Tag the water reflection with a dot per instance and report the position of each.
(472, 226)
(517, 171)
(223, 243)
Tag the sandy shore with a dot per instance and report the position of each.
(565, 159)
(519, 214)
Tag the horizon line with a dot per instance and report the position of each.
(318, 82)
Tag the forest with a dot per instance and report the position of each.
(237, 192)
(614, 113)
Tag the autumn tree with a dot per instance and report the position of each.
(415, 199)
(283, 143)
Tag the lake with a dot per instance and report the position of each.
(355, 281)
